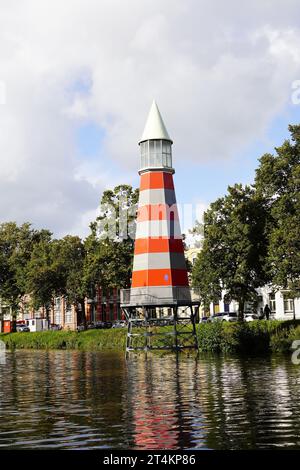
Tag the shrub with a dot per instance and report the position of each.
(258, 337)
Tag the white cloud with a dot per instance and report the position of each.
(220, 71)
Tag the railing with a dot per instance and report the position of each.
(159, 296)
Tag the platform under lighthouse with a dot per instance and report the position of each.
(160, 293)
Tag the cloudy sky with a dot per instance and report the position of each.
(77, 78)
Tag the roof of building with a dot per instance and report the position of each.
(155, 127)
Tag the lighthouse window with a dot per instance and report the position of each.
(144, 154)
(155, 154)
(166, 149)
(152, 147)
(152, 154)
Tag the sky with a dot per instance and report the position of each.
(77, 79)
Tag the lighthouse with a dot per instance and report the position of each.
(159, 266)
(159, 292)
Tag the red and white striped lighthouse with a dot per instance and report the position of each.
(159, 268)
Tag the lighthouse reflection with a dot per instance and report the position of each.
(159, 399)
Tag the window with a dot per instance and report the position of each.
(216, 308)
(156, 154)
(69, 314)
(57, 310)
(288, 305)
(166, 154)
(272, 302)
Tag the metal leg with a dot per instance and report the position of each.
(150, 332)
(175, 329)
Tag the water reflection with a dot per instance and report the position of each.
(67, 399)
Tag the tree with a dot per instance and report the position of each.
(70, 255)
(109, 247)
(16, 245)
(55, 269)
(42, 279)
(234, 248)
(197, 233)
(278, 182)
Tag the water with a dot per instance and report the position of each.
(76, 400)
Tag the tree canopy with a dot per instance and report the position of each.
(234, 248)
(252, 234)
(33, 262)
(278, 182)
(109, 247)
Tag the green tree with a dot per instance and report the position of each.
(42, 280)
(278, 182)
(70, 257)
(16, 245)
(56, 269)
(234, 248)
(109, 247)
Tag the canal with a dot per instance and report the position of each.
(79, 400)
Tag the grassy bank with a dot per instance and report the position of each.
(91, 340)
(255, 337)
(245, 338)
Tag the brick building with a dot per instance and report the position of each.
(104, 307)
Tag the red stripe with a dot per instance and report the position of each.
(158, 245)
(156, 180)
(159, 277)
(157, 212)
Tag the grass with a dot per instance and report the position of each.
(90, 340)
(258, 337)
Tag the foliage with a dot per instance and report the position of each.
(278, 182)
(109, 247)
(43, 276)
(16, 246)
(252, 235)
(32, 262)
(56, 268)
(234, 248)
(282, 339)
(89, 340)
(257, 337)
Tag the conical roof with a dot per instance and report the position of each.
(155, 127)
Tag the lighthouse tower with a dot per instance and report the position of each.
(159, 277)
(159, 266)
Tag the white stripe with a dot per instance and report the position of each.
(159, 261)
(151, 261)
(158, 228)
(157, 196)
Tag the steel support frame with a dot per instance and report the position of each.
(143, 335)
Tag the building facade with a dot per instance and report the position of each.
(282, 305)
(104, 307)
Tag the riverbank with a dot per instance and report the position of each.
(245, 338)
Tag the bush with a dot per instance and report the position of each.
(87, 340)
(282, 340)
(257, 337)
